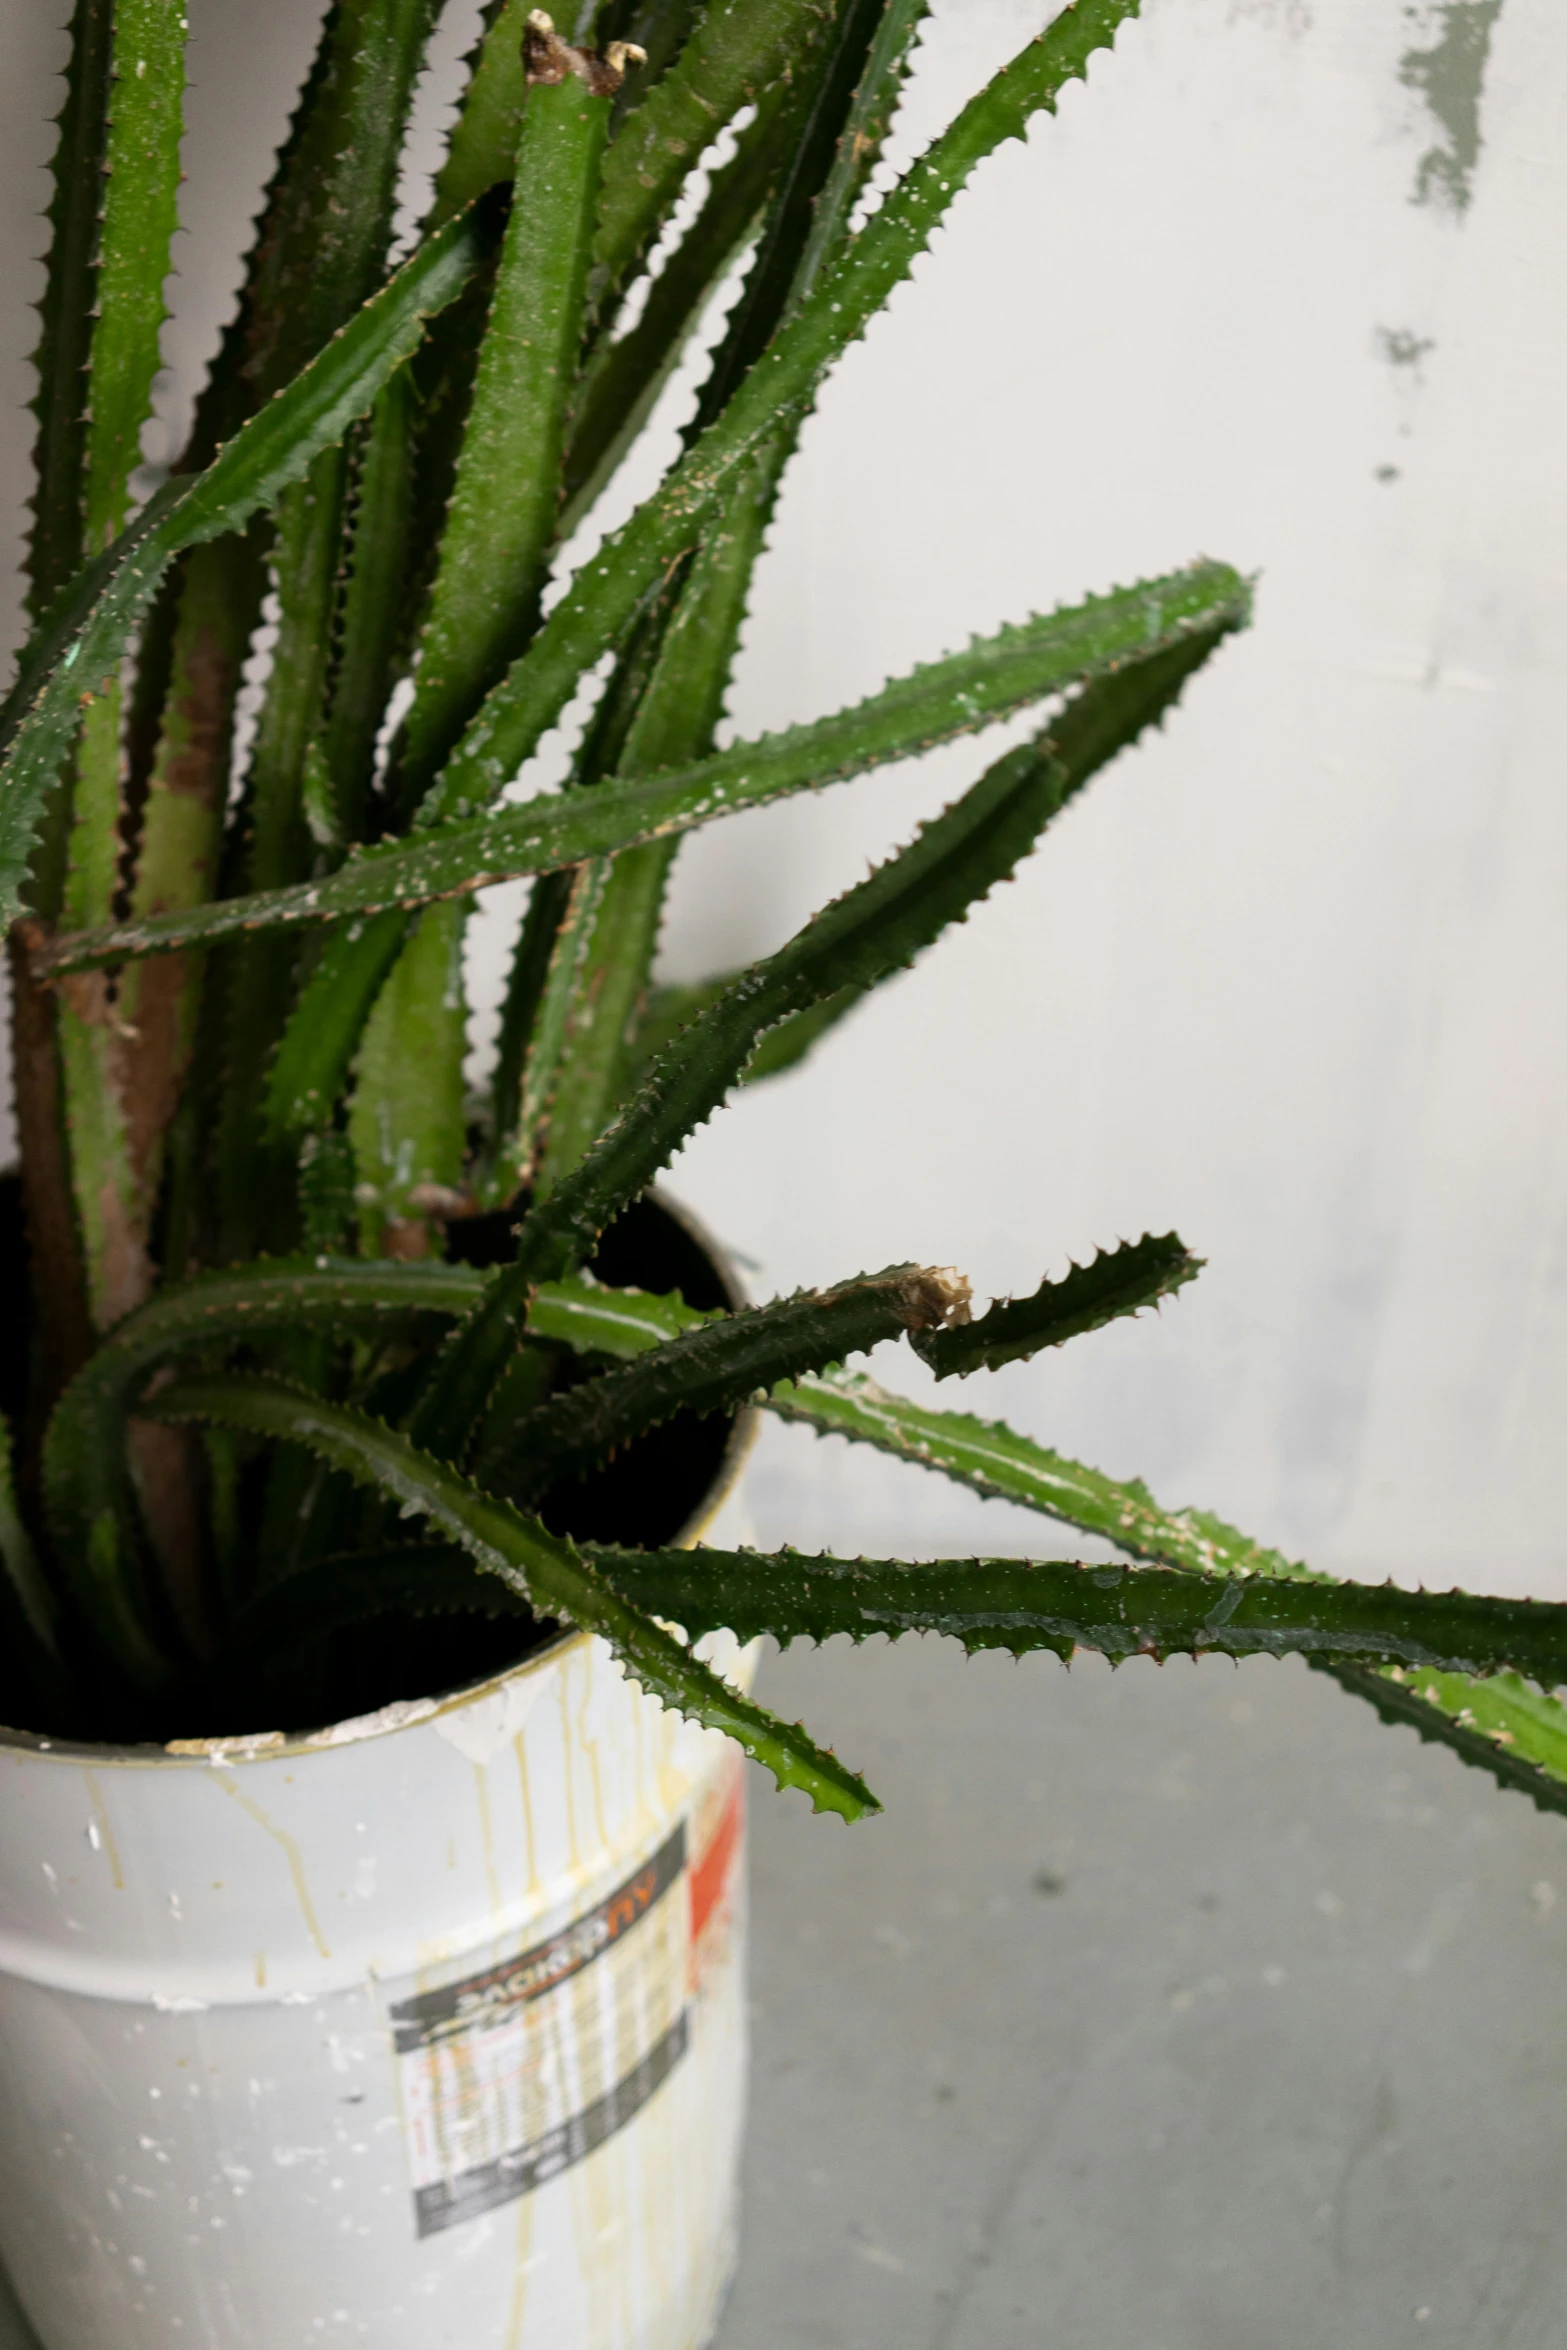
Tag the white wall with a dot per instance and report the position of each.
(1291, 978)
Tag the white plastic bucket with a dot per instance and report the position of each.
(427, 2030)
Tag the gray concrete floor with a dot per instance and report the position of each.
(1180, 2010)
(1165, 2010)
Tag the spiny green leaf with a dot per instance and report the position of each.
(141, 165)
(483, 145)
(604, 597)
(310, 1067)
(319, 248)
(91, 624)
(67, 308)
(253, 1206)
(732, 56)
(86, 1484)
(678, 710)
(322, 250)
(859, 143)
(177, 854)
(1500, 1725)
(1021, 1604)
(991, 1458)
(674, 718)
(323, 241)
(950, 866)
(770, 280)
(877, 927)
(985, 1455)
(484, 602)
(929, 706)
(619, 1322)
(501, 518)
(712, 1368)
(543, 1569)
(1118, 1281)
(624, 374)
(995, 676)
(1516, 1734)
(1511, 1731)
(370, 614)
(405, 1120)
(552, 1031)
(544, 990)
(138, 221)
(669, 1009)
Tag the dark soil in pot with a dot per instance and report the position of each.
(649, 1494)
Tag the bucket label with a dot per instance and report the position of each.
(514, 2074)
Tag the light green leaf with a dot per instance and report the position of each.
(405, 1120)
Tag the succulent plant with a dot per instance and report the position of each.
(275, 1413)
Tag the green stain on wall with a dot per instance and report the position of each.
(1450, 76)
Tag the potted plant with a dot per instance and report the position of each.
(370, 1923)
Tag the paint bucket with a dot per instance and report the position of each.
(424, 2030)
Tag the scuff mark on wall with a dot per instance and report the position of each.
(1450, 77)
(1400, 346)
(1293, 17)
(1405, 354)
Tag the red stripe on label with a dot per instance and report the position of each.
(710, 1874)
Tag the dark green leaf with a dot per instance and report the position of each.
(483, 146)
(1118, 1281)
(311, 1064)
(950, 866)
(541, 1568)
(603, 599)
(672, 718)
(670, 1009)
(137, 225)
(624, 375)
(1106, 635)
(67, 309)
(860, 141)
(501, 518)
(1499, 1726)
(712, 1369)
(91, 624)
(323, 241)
(370, 612)
(829, 98)
(1022, 1604)
(732, 56)
(405, 1120)
(86, 1479)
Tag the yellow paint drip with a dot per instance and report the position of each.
(290, 1851)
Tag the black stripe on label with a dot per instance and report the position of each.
(451, 2201)
(479, 2002)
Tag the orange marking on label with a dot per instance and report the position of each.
(710, 1873)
